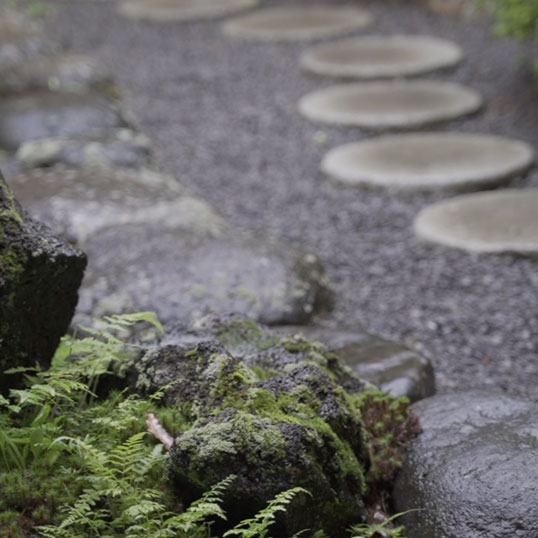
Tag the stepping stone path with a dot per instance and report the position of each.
(381, 57)
(45, 115)
(491, 222)
(428, 161)
(390, 105)
(182, 10)
(297, 23)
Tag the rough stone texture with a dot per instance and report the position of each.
(430, 161)
(296, 428)
(20, 38)
(382, 56)
(39, 279)
(493, 222)
(389, 365)
(296, 23)
(78, 203)
(181, 275)
(182, 10)
(67, 72)
(473, 472)
(45, 115)
(385, 105)
(121, 148)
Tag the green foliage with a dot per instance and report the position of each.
(384, 529)
(518, 18)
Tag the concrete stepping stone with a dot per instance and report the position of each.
(428, 161)
(390, 105)
(490, 222)
(382, 56)
(50, 114)
(389, 365)
(182, 10)
(120, 148)
(67, 72)
(182, 276)
(297, 23)
(78, 203)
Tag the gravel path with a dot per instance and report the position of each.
(222, 116)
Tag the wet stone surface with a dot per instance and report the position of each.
(48, 114)
(296, 23)
(119, 148)
(390, 105)
(429, 161)
(78, 203)
(388, 365)
(181, 276)
(382, 56)
(493, 222)
(473, 471)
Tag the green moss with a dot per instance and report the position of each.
(245, 337)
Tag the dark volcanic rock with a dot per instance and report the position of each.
(181, 276)
(120, 148)
(45, 115)
(389, 365)
(296, 428)
(77, 203)
(39, 279)
(60, 72)
(473, 472)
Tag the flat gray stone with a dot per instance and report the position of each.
(182, 10)
(79, 203)
(50, 114)
(382, 56)
(67, 72)
(119, 148)
(429, 161)
(490, 222)
(389, 365)
(390, 105)
(297, 23)
(473, 471)
(181, 276)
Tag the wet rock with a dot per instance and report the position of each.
(59, 72)
(388, 365)
(473, 472)
(45, 115)
(121, 148)
(78, 203)
(294, 429)
(39, 279)
(182, 275)
(20, 38)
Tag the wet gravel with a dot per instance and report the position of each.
(222, 116)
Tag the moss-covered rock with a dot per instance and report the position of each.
(273, 411)
(39, 279)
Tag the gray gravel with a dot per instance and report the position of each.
(222, 116)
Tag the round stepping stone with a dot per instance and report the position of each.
(429, 161)
(295, 23)
(181, 10)
(386, 105)
(382, 56)
(490, 222)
